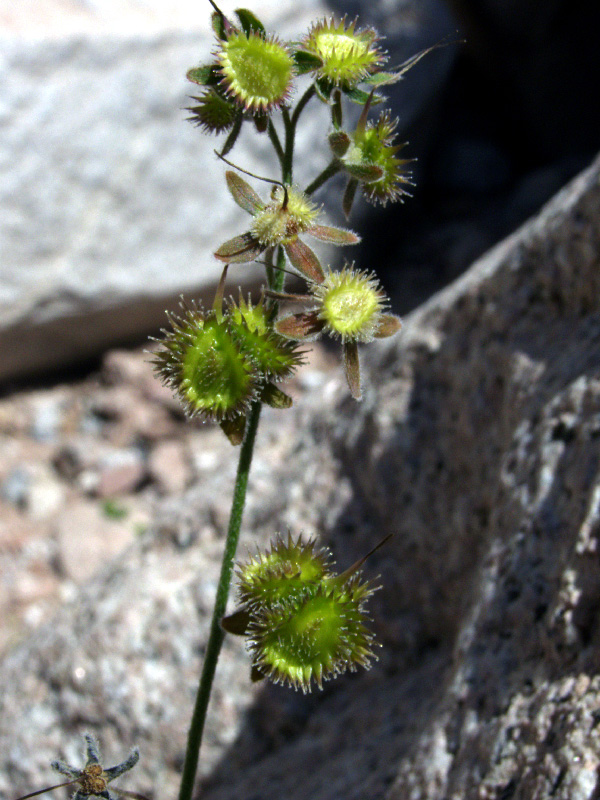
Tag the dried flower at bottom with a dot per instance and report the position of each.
(92, 780)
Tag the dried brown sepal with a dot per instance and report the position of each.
(349, 195)
(274, 397)
(338, 236)
(237, 622)
(388, 326)
(243, 194)
(256, 675)
(303, 325)
(240, 250)
(352, 369)
(234, 429)
(305, 260)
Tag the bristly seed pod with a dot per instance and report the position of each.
(214, 114)
(286, 567)
(257, 70)
(275, 357)
(347, 55)
(201, 361)
(304, 624)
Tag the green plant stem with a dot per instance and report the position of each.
(302, 102)
(279, 281)
(330, 170)
(274, 137)
(275, 280)
(216, 635)
(290, 130)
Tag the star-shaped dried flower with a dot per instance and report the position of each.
(92, 780)
(281, 221)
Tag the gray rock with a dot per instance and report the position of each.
(15, 487)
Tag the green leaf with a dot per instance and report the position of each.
(367, 173)
(382, 78)
(219, 25)
(205, 75)
(360, 97)
(349, 194)
(249, 22)
(232, 138)
(306, 62)
(323, 89)
(336, 110)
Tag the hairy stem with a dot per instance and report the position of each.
(290, 130)
(274, 137)
(275, 281)
(310, 92)
(216, 636)
(279, 281)
(330, 170)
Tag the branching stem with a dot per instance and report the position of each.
(276, 281)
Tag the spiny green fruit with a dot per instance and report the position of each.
(304, 623)
(219, 362)
(282, 570)
(316, 635)
(214, 113)
(347, 55)
(274, 356)
(258, 70)
(201, 361)
(372, 160)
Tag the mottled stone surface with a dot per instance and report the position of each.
(478, 446)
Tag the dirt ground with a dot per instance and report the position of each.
(82, 466)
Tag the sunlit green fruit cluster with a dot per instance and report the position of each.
(218, 363)
(306, 624)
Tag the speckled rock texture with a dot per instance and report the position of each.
(477, 445)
